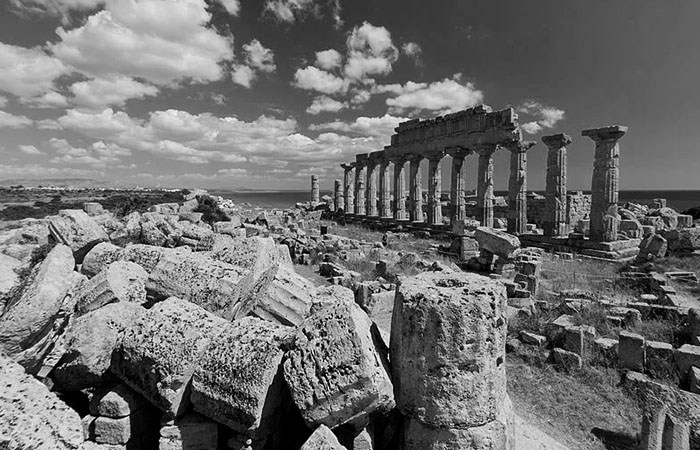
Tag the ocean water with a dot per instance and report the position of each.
(679, 200)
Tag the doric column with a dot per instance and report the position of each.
(484, 186)
(338, 196)
(434, 188)
(349, 188)
(415, 193)
(457, 205)
(315, 194)
(556, 220)
(399, 189)
(605, 184)
(360, 201)
(372, 189)
(517, 186)
(384, 190)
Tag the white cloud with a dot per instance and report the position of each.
(360, 96)
(104, 123)
(258, 60)
(233, 7)
(43, 171)
(101, 92)
(243, 75)
(545, 116)
(413, 50)
(30, 150)
(314, 79)
(380, 127)
(291, 11)
(49, 100)
(3, 101)
(328, 59)
(325, 104)
(60, 8)
(447, 95)
(27, 72)
(171, 38)
(370, 52)
(98, 154)
(8, 120)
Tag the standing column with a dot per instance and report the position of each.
(372, 189)
(415, 193)
(399, 189)
(338, 196)
(556, 222)
(315, 195)
(457, 205)
(384, 192)
(605, 184)
(360, 189)
(484, 186)
(517, 186)
(434, 189)
(349, 189)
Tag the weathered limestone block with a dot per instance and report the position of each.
(151, 234)
(532, 338)
(146, 256)
(165, 208)
(89, 342)
(257, 254)
(683, 241)
(363, 441)
(74, 228)
(497, 242)
(632, 229)
(631, 351)
(606, 352)
(117, 401)
(652, 247)
(232, 229)
(448, 349)
(333, 370)
(238, 381)
(694, 326)
(686, 357)
(660, 359)
(159, 353)
(192, 231)
(669, 217)
(694, 380)
(189, 432)
(8, 276)
(99, 257)
(32, 417)
(28, 322)
(579, 339)
(685, 221)
(567, 360)
(322, 439)
(121, 281)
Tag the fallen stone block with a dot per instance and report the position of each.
(605, 352)
(694, 380)
(159, 353)
(660, 360)
(189, 432)
(89, 344)
(686, 357)
(32, 417)
(497, 242)
(579, 339)
(333, 370)
(115, 402)
(238, 382)
(165, 208)
(531, 338)
(631, 351)
(567, 360)
(322, 439)
(99, 257)
(77, 230)
(694, 326)
(652, 247)
(121, 281)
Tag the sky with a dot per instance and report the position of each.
(263, 93)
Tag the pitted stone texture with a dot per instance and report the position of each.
(159, 353)
(189, 432)
(90, 342)
(99, 257)
(652, 247)
(322, 439)
(238, 381)
(257, 254)
(121, 281)
(8, 276)
(32, 417)
(115, 402)
(333, 370)
(497, 242)
(74, 228)
(28, 322)
(448, 349)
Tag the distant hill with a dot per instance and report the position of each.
(61, 182)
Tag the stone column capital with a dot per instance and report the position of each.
(519, 146)
(459, 152)
(435, 156)
(485, 149)
(413, 158)
(557, 141)
(348, 167)
(398, 159)
(610, 134)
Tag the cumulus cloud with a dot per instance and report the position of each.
(42, 171)
(370, 52)
(8, 120)
(314, 79)
(328, 59)
(325, 104)
(258, 59)
(28, 72)
(231, 6)
(291, 11)
(545, 116)
(60, 8)
(445, 96)
(380, 127)
(97, 154)
(101, 92)
(3, 101)
(414, 51)
(30, 150)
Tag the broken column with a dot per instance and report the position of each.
(384, 190)
(484, 187)
(348, 187)
(415, 195)
(517, 186)
(372, 188)
(448, 357)
(434, 188)
(555, 222)
(360, 173)
(605, 184)
(315, 194)
(457, 205)
(338, 196)
(399, 189)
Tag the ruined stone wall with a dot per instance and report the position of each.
(578, 207)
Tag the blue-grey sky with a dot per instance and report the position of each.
(262, 93)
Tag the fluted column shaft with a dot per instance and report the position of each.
(457, 204)
(556, 221)
(415, 195)
(372, 189)
(517, 187)
(360, 172)
(605, 183)
(349, 188)
(384, 190)
(399, 189)
(434, 189)
(484, 186)
(338, 197)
